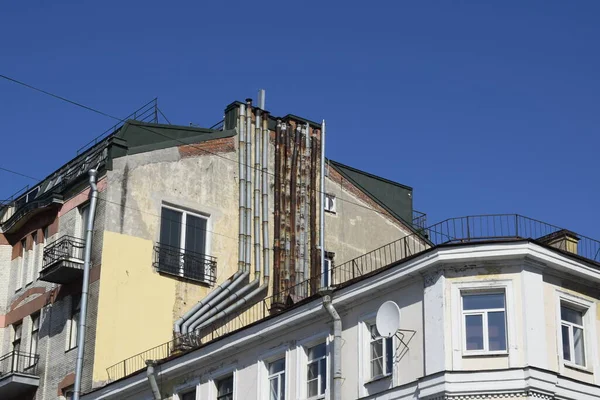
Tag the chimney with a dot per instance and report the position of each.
(563, 240)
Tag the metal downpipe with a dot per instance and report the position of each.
(265, 195)
(150, 373)
(86, 282)
(178, 324)
(207, 302)
(322, 208)
(248, 202)
(238, 304)
(337, 345)
(203, 321)
(257, 197)
(242, 194)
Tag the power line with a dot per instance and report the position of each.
(59, 97)
(317, 191)
(20, 174)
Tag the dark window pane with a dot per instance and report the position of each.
(497, 331)
(323, 373)
(376, 367)
(317, 351)
(277, 366)
(313, 388)
(389, 355)
(274, 392)
(483, 301)
(225, 386)
(189, 395)
(170, 227)
(571, 315)
(195, 234)
(566, 343)
(313, 371)
(474, 325)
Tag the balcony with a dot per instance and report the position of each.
(185, 264)
(18, 374)
(63, 260)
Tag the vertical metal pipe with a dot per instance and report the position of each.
(265, 195)
(322, 188)
(248, 251)
(294, 208)
(336, 365)
(86, 282)
(242, 195)
(277, 212)
(257, 196)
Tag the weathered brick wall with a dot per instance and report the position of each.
(224, 145)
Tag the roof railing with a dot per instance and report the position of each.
(469, 229)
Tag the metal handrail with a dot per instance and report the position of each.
(64, 248)
(468, 229)
(19, 362)
(184, 263)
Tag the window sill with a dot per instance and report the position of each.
(579, 368)
(484, 354)
(378, 378)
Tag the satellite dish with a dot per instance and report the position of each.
(388, 319)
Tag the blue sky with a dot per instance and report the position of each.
(481, 106)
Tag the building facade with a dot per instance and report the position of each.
(499, 307)
(185, 215)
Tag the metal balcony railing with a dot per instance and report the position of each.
(185, 264)
(470, 229)
(66, 248)
(18, 362)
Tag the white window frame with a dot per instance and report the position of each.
(385, 342)
(186, 388)
(458, 331)
(279, 376)
(222, 377)
(589, 332)
(364, 355)
(263, 387)
(483, 312)
(184, 213)
(302, 364)
(330, 209)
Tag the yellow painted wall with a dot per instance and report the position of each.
(135, 304)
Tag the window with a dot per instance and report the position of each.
(84, 215)
(68, 392)
(183, 244)
(571, 320)
(277, 380)
(33, 344)
(484, 322)
(189, 395)
(326, 270)
(225, 388)
(32, 259)
(329, 203)
(74, 322)
(21, 265)
(382, 354)
(16, 345)
(316, 379)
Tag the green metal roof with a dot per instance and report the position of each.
(392, 196)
